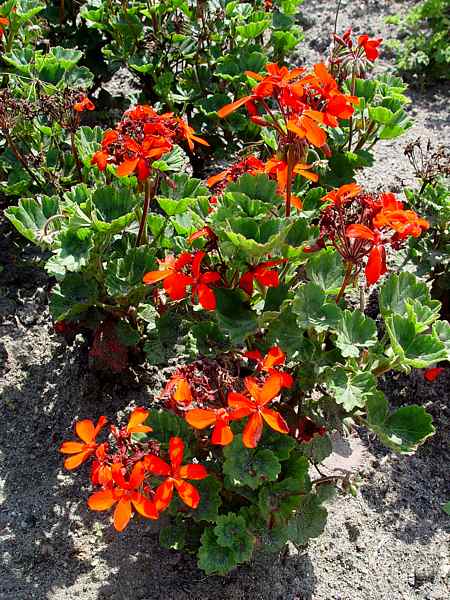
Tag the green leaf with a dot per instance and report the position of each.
(441, 329)
(286, 333)
(256, 187)
(75, 250)
(326, 270)
(114, 207)
(402, 430)
(249, 467)
(31, 215)
(231, 532)
(311, 309)
(87, 141)
(233, 316)
(399, 289)
(210, 500)
(214, 558)
(380, 114)
(166, 424)
(355, 332)
(74, 295)
(174, 207)
(125, 274)
(349, 389)
(280, 444)
(309, 521)
(422, 315)
(318, 449)
(414, 350)
(185, 187)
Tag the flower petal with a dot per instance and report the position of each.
(236, 400)
(374, 267)
(76, 460)
(229, 108)
(206, 297)
(222, 434)
(271, 388)
(274, 420)
(155, 276)
(137, 418)
(127, 167)
(163, 495)
(200, 417)
(102, 500)
(156, 465)
(72, 447)
(193, 471)
(188, 493)
(176, 451)
(122, 514)
(85, 430)
(144, 506)
(253, 431)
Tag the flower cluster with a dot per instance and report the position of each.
(258, 391)
(141, 137)
(4, 22)
(361, 225)
(125, 471)
(297, 105)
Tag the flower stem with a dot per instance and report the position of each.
(347, 279)
(350, 134)
(290, 171)
(143, 222)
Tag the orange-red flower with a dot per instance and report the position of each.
(376, 263)
(201, 283)
(138, 156)
(263, 274)
(81, 451)
(84, 104)
(101, 473)
(343, 194)
(176, 475)
(371, 47)
(171, 273)
(251, 165)
(200, 418)
(255, 407)
(127, 496)
(275, 357)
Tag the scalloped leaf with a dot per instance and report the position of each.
(355, 332)
(233, 316)
(256, 187)
(397, 289)
(214, 558)
(74, 295)
(114, 208)
(309, 520)
(123, 275)
(231, 532)
(402, 430)
(312, 311)
(413, 349)
(350, 389)
(249, 467)
(326, 270)
(31, 215)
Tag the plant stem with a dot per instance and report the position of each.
(338, 8)
(290, 170)
(350, 134)
(76, 155)
(143, 222)
(21, 159)
(347, 278)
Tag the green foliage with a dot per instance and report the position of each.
(424, 52)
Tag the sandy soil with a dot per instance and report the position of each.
(388, 543)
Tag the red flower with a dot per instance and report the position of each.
(342, 194)
(376, 263)
(432, 373)
(171, 272)
(81, 451)
(140, 154)
(188, 133)
(201, 283)
(255, 407)
(84, 104)
(101, 473)
(126, 495)
(370, 46)
(175, 474)
(274, 357)
(5, 22)
(200, 418)
(263, 274)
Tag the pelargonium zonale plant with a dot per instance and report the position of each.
(253, 282)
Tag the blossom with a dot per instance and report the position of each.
(432, 373)
(263, 274)
(200, 418)
(126, 494)
(81, 451)
(274, 357)
(176, 475)
(342, 194)
(171, 273)
(101, 473)
(137, 156)
(370, 46)
(84, 104)
(255, 407)
(201, 283)
(376, 263)
(250, 164)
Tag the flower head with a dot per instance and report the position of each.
(255, 406)
(84, 104)
(81, 451)
(176, 475)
